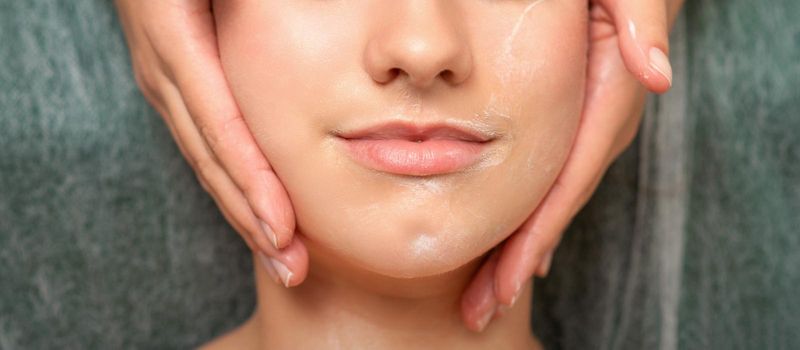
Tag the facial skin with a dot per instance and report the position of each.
(302, 70)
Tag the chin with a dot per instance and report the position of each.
(404, 248)
(422, 256)
(395, 230)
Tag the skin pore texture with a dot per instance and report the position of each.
(390, 254)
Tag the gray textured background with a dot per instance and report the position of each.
(107, 240)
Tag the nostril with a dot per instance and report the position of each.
(447, 75)
(388, 76)
(393, 73)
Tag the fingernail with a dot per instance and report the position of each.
(270, 234)
(517, 291)
(283, 271)
(268, 266)
(484, 320)
(546, 262)
(660, 62)
(502, 309)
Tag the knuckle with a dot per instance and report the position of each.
(141, 73)
(149, 87)
(207, 131)
(214, 131)
(140, 79)
(230, 118)
(204, 184)
(255, 186)
(204, 166)
(249, 192)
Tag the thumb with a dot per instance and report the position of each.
(642, 29)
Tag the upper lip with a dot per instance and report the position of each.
(417, 132)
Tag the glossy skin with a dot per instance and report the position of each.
(175, 60)
(300, 71)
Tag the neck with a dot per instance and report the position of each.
(341, 306)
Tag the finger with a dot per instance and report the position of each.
(213, 110)
(642, 29)
(213, 177)
(612, 109)
(541, 232)
(478, 303)
(156, 83)
(220, 186)
(295, 257)
(290, 263)
(289, 266)
(236, 225)
(544, 265)
(522, 252)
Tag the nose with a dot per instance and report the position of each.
(421, 43)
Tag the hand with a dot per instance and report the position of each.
(628, 42)
(176, 63)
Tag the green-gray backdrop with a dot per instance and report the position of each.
(107, 241)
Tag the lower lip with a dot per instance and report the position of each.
(403, 157)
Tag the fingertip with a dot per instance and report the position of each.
(268, 266)
(483, 321)
(662, 70)
(275, 208)
(269, 233)
(653, 70)
(478, 303)
(295, 257)
(644, 42)
(660, 63)
(275, 233)
(262, 238)
(285, 218)
(477, 318)
(272, 232)
(544, 267)
(512, 266)
(506, 290)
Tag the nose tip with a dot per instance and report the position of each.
(423, 61)
(423, 50)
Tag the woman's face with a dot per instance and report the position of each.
(408, 201)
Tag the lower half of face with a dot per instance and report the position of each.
(300, 71)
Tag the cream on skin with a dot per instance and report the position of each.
(389, 254)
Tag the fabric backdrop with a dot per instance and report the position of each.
(107, 240)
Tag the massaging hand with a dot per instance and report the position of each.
(174, 54)
(628, 43)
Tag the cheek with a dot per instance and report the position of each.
(540, 81)
(281, 61)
